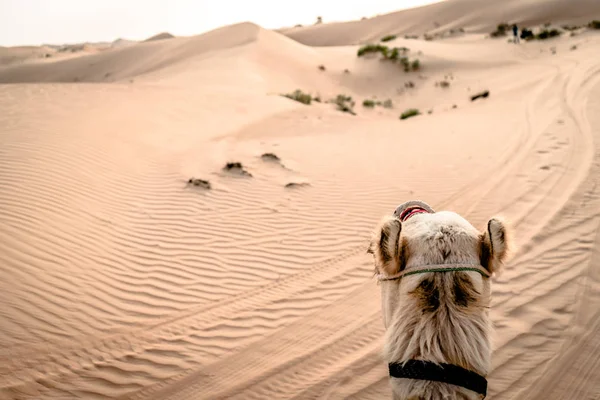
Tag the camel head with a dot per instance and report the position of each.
(434, 270)
(416, 236)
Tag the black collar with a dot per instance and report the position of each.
(447, 373)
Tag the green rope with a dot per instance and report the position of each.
(451, 269)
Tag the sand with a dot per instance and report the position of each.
(121, 280)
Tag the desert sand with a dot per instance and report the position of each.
(121, 280)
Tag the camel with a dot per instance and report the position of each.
(434, 271)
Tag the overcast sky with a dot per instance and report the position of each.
(33, 22)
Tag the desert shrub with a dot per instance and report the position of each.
(236, 167)
(322, 67)
(199, 182)
(443, 84)
(270, 157)
(388, 104)
(369, 103)
(292, 185)
(570, 27)
(344, 103)
(405, 63)
(501, 30)
(393, 54)
(547, 34)
(411, 36)
(299, 96)
(527, 34)
(372, 48)
(411, 112)
(388, 38)
(595, 24)
(481, 95)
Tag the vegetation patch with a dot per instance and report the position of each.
(411, 112)
(372, 48)
(370, 103)
(344, 103)
(527, 34)
(293, 185)
(595, 24)
(501, 30)
(199, 182)
(547, 34)
(270, 157)
(394, 54)
(299, 96)
(388, 38)
(236, 167)
(481, 95)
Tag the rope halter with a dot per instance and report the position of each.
(422, 269)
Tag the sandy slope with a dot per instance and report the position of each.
(121, 281)
(474, 16)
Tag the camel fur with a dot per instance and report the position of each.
(438, 317)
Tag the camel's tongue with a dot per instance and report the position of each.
(409, 212)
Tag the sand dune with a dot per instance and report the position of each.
(160, 36)
(474, 16)
(121, 280)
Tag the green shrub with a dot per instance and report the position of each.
(394, 54)
(547, 34)
(501, 30)
(388, 103)
(345, 103)
(299, 96)
(527, 34)
(388, 38)
(411, 112)
(595, 24)
(571, 27)
(372, 48)
(369, 103)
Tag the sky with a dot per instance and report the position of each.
(35, 22)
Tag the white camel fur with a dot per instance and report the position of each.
(441, 317)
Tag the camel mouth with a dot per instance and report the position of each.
(410, 208)
(409, 212)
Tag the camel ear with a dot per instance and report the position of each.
(494, 245)
(385, 244)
